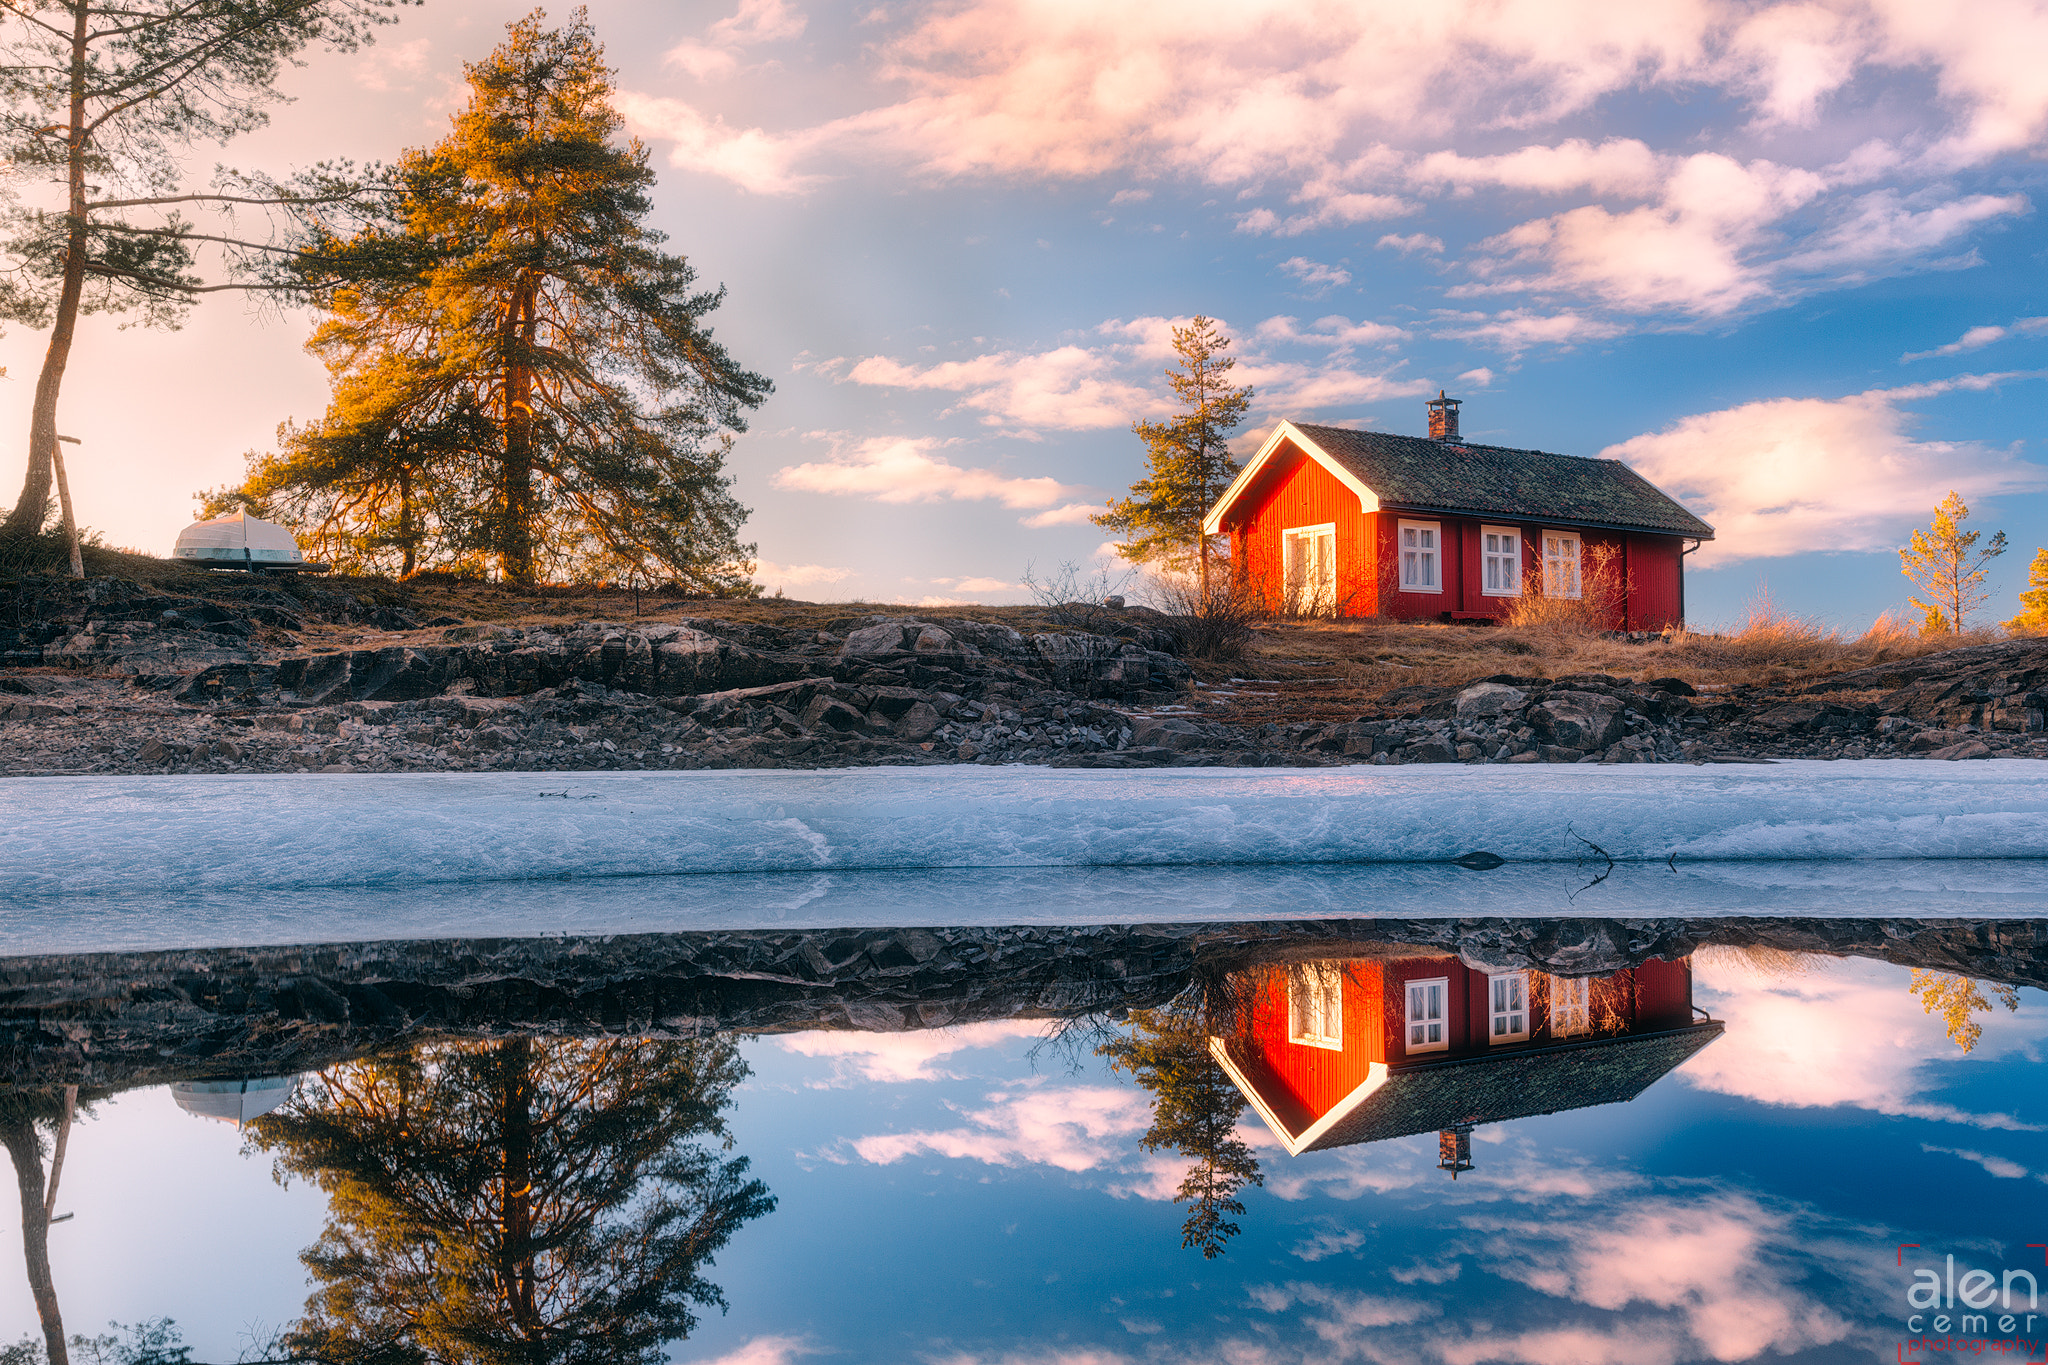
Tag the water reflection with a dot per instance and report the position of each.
(528, 1200)
(542, 1169)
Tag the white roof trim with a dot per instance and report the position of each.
(1375, 1077)
(1368, 501)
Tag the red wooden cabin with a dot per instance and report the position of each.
(1356, 1051)
(1334, 522)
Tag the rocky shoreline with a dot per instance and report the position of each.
(121, 1019)
(113, 676)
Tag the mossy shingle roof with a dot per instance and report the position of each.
(1513, 1085)
(1525, 485)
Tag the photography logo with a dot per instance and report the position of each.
(1971, 1312)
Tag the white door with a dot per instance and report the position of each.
(1311, 564)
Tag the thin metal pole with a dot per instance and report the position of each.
(64, 501)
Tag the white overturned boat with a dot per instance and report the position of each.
(243, 542)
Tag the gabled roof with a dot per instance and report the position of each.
(1428, 1097)
(1414, 473)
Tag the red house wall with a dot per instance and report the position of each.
(1308, 495)
(1664, 994)
(1367, 559)
(1317, 1077)
(1303, 1082)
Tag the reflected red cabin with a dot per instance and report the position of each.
(1329, 521)
(1341, 1052)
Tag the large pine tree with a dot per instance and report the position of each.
(521, 1202)
(525, 382)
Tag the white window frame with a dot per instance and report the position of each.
(1507, 559)
(1319, 599)
(1431, 558)
(1571, 1002)
(1561, 572)
(1412, 1027)
(1315, 1005)
(1507, 1003)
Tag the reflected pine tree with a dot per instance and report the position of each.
(515, 1203)
(1959, 1000)
(1195, 1110)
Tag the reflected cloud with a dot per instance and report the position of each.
(896, 1057)
(1072, 1128)
(1850, 1036)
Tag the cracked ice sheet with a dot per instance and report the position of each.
(95, 863)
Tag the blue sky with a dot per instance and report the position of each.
(949, 1197)
(1703, 237)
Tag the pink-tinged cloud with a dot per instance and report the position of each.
(912, 1056)
(1071, 1128)
(906, 470)
(1857, 1037)
(1792, 475)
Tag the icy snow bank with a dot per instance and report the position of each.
(117, 836)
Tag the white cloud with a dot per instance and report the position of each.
(756, 21)
(1328, 1242)
(1072, 514)
(1330, 117)
(1517, 330)
(1336, 331)
(1112, 380)
(1072, 1128)
(912, 1056)
(1979, 337)
(1322, 278)
(1480, 377)
(1714, 1262)
(1063, 389)
(770, 574)
(1412, 243)
(385, 65)
(1851, 1036)
(769, 1350)
(1996, 1166)
(1792, 475)
(904, 469)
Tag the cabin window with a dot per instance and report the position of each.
(1500, 561)
(1310, 554)
(1560, 564)
(1570, 1001)
(1315, 1004)
(1509, 1012)
(1425, 1018)
(1421, 556)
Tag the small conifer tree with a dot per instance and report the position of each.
(1945, 565)
(2033, 617)
(1187, 457)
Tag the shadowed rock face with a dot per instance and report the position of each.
(146, 1018)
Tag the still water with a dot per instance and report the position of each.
(1478, 1140)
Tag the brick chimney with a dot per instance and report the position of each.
(1454, 1145)
(1443, 417)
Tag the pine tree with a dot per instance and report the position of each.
(2033, 617)
(104, 99)
(1941, 564)
(1195, 1112)
(1187, 456)
(515, 1203)
(525, 378)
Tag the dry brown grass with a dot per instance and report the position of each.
(1331, 669)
